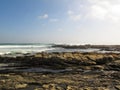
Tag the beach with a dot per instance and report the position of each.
(59, 44)
(60, 71)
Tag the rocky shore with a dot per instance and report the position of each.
(61, 71)
(87, 46)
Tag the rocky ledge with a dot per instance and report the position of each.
(78, 71)
(87, 46)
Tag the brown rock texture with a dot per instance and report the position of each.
(61, 71)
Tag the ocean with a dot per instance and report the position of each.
(18, 48)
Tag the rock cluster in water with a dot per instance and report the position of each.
(87, 46)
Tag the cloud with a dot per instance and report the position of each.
(54, 20)
(104, 9)
(70, 12)
(98, 12)
(73, 16)
(45, 16)
(60, 29)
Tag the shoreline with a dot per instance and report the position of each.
(61, 71)
(22, 49)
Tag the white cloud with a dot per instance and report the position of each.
(45, 16)
(98, 12)
(73, 16)
(53, 20)
(70, 12)
(104, 9)
(59, 29)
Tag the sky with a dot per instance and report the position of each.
(60, 21)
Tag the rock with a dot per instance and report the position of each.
(2, 81)
(82, 76)
(71, 88)
(116, 75)
(104, 59)
(38, 55)
(19, 86)
(94, 88)
(53, 87)
(60, 88)
(46, 86)
(38, 89)
(60, 60)
(117, 87)
(115, 65)
(97, 67)
(88, 63)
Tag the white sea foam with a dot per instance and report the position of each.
(19, 49)
(22, 46)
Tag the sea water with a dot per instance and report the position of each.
(18, 48)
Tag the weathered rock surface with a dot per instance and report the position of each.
(61, 81)
(88, 71)
(63, 60)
